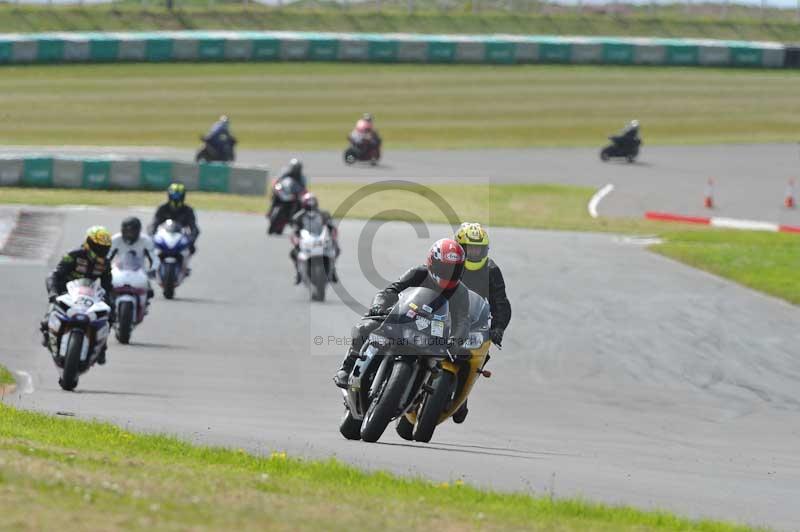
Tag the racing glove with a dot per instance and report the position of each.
(497, 337)
(377, 310)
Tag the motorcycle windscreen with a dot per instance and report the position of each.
(83, 288)
(479, 312)
(420, 318)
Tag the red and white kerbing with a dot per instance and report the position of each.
(726, 223)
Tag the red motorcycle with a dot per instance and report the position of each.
(286, 194)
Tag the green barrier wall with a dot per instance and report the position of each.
(109, 174)
(307, 46)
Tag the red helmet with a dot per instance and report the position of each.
(309, 201)
(446, 263)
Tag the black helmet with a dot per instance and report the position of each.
(131, 229)
(295, 168)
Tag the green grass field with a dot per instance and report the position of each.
(667, 21)
(313, 105)
(763, 261)
(74, 475)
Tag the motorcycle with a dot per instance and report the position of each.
(77, 330)
(131, 285)
(286, 194)
(398, 366)
(362, 150)
(172, 244)
(316, 258)
(209, 153)
(628, 151)
(450, 390)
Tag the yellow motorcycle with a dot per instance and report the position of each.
(451, 385)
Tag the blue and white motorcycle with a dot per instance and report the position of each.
(78, 330)
(172, 244)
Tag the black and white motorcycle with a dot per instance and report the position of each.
(131, 285)
(316, 258)
(78, 330)
(397, 364)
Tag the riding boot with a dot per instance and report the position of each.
(101, 358)
(343, 374)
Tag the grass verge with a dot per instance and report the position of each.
(763, 261)
(5, 377)
(314, 105)
(77, 475)
(667, 21)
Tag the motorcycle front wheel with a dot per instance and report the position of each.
(124, 322)
(319, 280)
(433, 405)
(385, 402)
(72, 361)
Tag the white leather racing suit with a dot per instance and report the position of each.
(143, 250)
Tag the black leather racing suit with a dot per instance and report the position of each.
(183, 215)
(77, 264)
(488, 282)
(458, 298)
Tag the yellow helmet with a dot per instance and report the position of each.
(475, 241)
(98, 241)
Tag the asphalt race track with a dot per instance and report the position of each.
(751, 180)
(625, 377)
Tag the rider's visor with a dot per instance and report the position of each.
(476, 253)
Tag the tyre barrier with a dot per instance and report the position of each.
(129, 174)
(82, 47)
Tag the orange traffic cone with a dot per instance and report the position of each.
(708, 201)
(788, 200)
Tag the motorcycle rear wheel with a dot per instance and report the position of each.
(125, 322)
(433, 405)
(72, 361)
(386, 402)
(405, 429)
(350, 427)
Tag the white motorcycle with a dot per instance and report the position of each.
(316, 259)
(131, 285)
(78, 330)
(172, 245)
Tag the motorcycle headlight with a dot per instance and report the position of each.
(475, 340)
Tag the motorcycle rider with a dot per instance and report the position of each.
(86, 262)
(442, 271)
(130, 240)
(177, 210)
(628, 139)
(309, 213)
(365, 133)
(295, 171)
(220, 140)
(483, 276)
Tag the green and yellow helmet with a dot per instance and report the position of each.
(475, 241)
(98, 241)
(176, 193)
